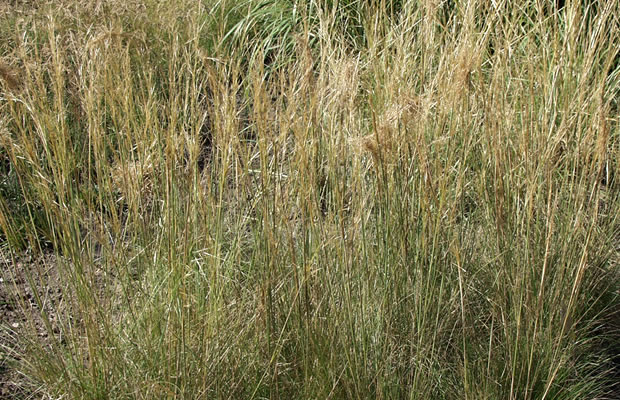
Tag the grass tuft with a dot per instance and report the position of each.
(289, 199)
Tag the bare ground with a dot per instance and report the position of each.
(20, 317)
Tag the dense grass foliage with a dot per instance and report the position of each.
(302, 199)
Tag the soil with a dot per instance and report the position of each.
(20, 320)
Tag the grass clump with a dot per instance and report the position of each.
(413, 204)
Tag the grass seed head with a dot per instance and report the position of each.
(9, 77)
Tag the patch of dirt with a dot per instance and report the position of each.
(20, 318)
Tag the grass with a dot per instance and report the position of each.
(389, 200)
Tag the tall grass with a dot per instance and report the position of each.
(428, 211)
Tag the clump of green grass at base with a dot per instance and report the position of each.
(430, 214)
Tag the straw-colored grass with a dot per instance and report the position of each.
(299, 200)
